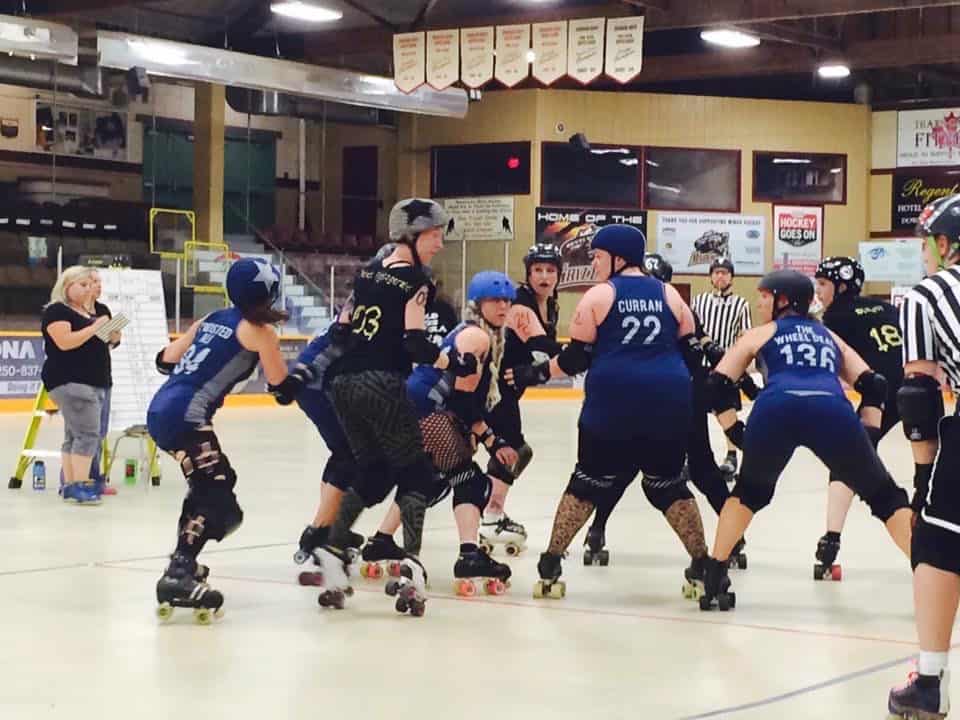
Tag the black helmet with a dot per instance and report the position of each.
(656, 266)
(722, 263)
(941, 217)
(795, 286)
(841, 269)
(543, 252)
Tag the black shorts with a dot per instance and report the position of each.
(935, 546)
(599, 455)
(505, 417)
(936, 538)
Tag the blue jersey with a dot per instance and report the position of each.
(430, 389)
(637, 375)
(208, 370)
(801, 358)
(320, 353)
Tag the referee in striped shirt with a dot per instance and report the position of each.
(930, 324)
(724, 316)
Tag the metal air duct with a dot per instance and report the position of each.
(82, 81)
(271, 103)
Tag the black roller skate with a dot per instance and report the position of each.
(334, 576)
(594, 552)
(738, 558)
(410, 588)
(476, 569)
(179, 587)
(694, 575)
(827, 548)
(716, 586)
(503, 531)
(922, 697)
(728, 468)
(549, 585)
(379, 554)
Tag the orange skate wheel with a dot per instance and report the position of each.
(836, 573)
(393, 569)
(494, 586)
(466, 588)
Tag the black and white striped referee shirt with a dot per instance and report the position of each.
(724, 317)
(930, 323)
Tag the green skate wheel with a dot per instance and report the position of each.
(203, 616)
(538, 590)
(165, 611)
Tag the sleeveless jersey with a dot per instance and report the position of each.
(872, 328)
(430, 389)
(801, 359)
(207, 372)
(637, 375)
(380, 297)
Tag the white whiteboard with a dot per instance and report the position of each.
(138, 294)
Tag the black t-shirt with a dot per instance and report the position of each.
(441, 318)
(100, 309)
(380, 297)
(88, 364)
(872, 328)
(516, 352)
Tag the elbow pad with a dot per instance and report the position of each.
(920, 403)
(465, 406)
(713, 352)
(721, 392)
(872, 388)
(292, 384)
(543, 344)
(749, 387)
(735, 433)
(419, 347)
(164, 367)
(692, 352)
(575, 358)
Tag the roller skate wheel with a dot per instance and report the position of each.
(836, 573)
(300, 557)
(465, 588)
(203, 616)
(348, 591)
(375, 571)
(392, 587)
(603, 557)
(724, 602)
(558, 590)
(418, 609)
(820, 572)
(310, 579)
(401, 605)
(742, 562)
(513, 549)
(587, 558)
(495, 586)
(393, 569)
(165, 611)
(538, 589)
(487, 548)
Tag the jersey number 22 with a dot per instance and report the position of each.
(632, 324)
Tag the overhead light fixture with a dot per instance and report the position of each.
(729, 38)
(308, 12)
(531, 56)
(833, 71)
(38, 39)
(836, 171)
(791, 161)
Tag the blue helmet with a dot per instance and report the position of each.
(490, 284)
(252, 282)
(624, 241)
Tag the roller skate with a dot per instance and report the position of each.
(738, 559)
(594, 552)
(410, 588)
(716, 586)
(549, 585)
(503, 531)
(922, 697)
(335, 580)
(728, 468)
(694, 575)
(180, 587)
(475, 569)
(827, 549)
(310, 540)
(379, 554)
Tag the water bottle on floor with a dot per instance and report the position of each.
(130, 472)
(39, 476)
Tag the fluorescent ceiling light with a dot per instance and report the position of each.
(304, 11)
(160, 51)
(629, 162)
(834, 71)
(729, 38)
(836, 171)
(607, 151)
(791, 161)
(665, 188)
(531, 56)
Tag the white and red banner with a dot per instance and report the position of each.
(443, 58)
(409, 61)
(476, 56)
(624, 56)
(585, 53)
(550, 51)
(513, 44)
(797, 237)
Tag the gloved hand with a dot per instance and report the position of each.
(524, 376)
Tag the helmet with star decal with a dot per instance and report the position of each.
(252, 282)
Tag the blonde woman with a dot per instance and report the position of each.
(76, 374)
(98, 309)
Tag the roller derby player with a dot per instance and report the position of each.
(871, 328)
(202, 367)
(625, 331)
(532, 332)
(701, 468)
(802, 404)
(928, 320)
(368, 391)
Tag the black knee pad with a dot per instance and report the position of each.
(340, 470)
(752, 495)
(662, 492)
(210, 511)
(202, 459)
(590, 488)
(886, 501)
(373, 483)
(471, 486)
(508, 474)
(417, 477)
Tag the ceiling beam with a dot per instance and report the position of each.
(379, 19)
(658, 5)
(41, 8)
(793, 36)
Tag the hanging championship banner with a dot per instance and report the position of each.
(476, 56)
(928, 137)
(443, 58)
(572, 231)
(914, 189)
(797, 238)
(409, 61)
(624, 57)
(691, 241)
(549, 51)
(585, 49)
(513, 44)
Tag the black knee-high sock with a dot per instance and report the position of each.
(351, 507)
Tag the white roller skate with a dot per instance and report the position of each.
(410, 588)
(335, 579)
(501, 530)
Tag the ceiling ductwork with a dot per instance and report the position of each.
(258, 102)
(80, 80)
(198, 63)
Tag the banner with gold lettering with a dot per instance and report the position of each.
(409, 61)
(513, 44)
(443, 58)
(550, 51)
(914, 189)
(585, 56)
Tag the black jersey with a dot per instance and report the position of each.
(516, 352)
(872, 328)
(380, 297)
(440, 320)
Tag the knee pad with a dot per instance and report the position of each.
(590, 488)
(210, 512)
(471, 486)
(340, 470)
(752, 495)
(507, 474)
(202, 459)
(417, 477)
(374, 483)
(662, 492)
(888, 500)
